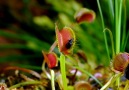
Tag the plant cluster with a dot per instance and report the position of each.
(100, 61)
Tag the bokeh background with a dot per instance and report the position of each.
(28, 26)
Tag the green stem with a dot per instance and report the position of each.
(105, 39)
(53, 46)
(118, 13)
(63, 71)
(111, 10)
(118, 24)
(24, 84)
(112, 42)
(44, 70)
(126, 39)
(52, 79)
(124, 27)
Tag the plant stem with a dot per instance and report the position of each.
(124, 27)
(63, 71)
(105, 38)
(112, 42)
(126, 40)
(111, 10)
(52, 79)
(53, 46)
(118, 29)
(118, 24)
(44, 70)
(24, 84)
(52, 72)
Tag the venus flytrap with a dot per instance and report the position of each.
(85, 15)
(52, 61)
(118, 13)
(120, 60)
(66, 41)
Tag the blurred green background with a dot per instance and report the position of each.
(28, 26)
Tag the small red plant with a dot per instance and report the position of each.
(50, 59)
(85, 15)
(65, 39)
(121, 61)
